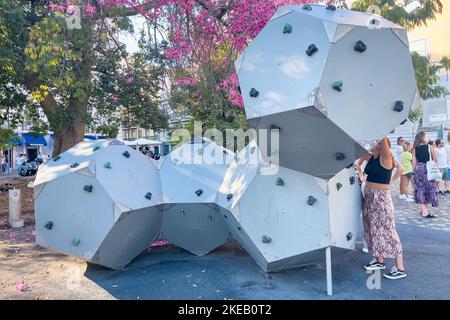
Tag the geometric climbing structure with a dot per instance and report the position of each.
(332, 87)
(333, 81)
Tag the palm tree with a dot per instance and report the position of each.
(445, 63)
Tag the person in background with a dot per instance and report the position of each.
(378, 211)
(398, 149)
(442, 165)
(424, 190)
(406, 177)
(447, 149)
(3, 164)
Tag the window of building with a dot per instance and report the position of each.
(419, 46)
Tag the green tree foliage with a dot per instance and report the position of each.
(76, 77)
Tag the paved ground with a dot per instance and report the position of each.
(229, 273)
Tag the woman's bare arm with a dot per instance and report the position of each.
(386, 158)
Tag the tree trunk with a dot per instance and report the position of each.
(65, 138)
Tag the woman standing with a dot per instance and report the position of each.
(424, 190)
(442, 164)
(378, 211)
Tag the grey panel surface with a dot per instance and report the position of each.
(314, 150)
(75, 214)
(277, 66)
(371, 87)
(130, 235)
(198, 228)
(345, 209)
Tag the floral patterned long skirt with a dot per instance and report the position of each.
(379, 224)
(424, 190)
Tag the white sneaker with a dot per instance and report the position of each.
(411, 196)
(409, 200)
(365, 250)
(402, 197)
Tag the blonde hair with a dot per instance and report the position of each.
(406, 146)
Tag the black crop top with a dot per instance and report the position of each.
(376, 173)
(422, 153)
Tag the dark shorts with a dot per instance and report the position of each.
(409, 174)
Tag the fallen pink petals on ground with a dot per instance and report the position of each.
(22, 286)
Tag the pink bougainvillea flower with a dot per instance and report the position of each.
(129, 79)
(157, 244)
(90, 10)
(53, 6)
(114, 98)
(22, 286)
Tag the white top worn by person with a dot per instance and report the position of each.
(447, 149)
(442, 158)
(396, 150)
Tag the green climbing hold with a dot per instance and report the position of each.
(96, 148)
(280, 182)
(338, 86)
(107, 165)
(287, 28)
(76, 241)
(307, 7)
(339, 186)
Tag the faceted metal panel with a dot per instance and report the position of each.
(364, 109)
(343, 16)
(314, 150)
(277, 66)
(345, 208)
(130, 235)
(74, 214)
(282, 213)
(193, 172)
(198, 228)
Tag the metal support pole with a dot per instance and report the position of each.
(328, 266)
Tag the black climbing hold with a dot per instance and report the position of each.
(398, 106)
(126, 154)
(96, 148)
(254, 93)
(88, 188)
(340, 156)
(49, 225)
(349, 166)
(338, 86)
(252, 149)
(360, 46)
(352, 180)
(107, 165)
(280, 182)
(229, 196)
(199, 192)
(331, 7)
(148, 195)
(74, 165)
(287, 28)
(210, 217)
(274, 127)
(311, 200)
(56, 158)
(311, 50)
(239, 228)
(403, 122)
(182, 213)
(307, 7)
(349, 236)
(339, 186)
(266, 239)
(225, 151)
